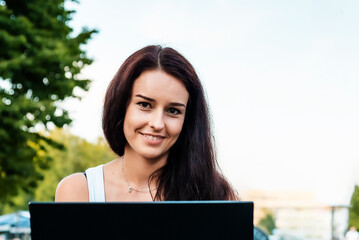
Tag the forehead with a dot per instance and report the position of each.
(159, 85)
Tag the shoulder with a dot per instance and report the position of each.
(72, 188)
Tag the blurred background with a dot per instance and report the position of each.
(281, 79)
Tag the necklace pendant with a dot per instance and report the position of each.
(130, 189)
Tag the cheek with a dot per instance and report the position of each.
(131, 121)
(133, 117)
(174, 127)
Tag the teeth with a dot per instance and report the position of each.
(153, 137)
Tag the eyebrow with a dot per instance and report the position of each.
(152, 100)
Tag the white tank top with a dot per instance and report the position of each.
(95, 184)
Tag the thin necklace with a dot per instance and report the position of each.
(130, 188)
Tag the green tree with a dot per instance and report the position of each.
(40, 62)
(77, 155)
(354, 210)
(267, 223)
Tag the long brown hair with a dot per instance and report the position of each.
(191, 172)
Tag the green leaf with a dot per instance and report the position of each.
(38, 49)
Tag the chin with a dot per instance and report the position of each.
(152, 155)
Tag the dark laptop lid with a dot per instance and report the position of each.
(140, 220)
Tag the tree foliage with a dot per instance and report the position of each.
(267, 223)
(40, 62)
(76, 156)
(354, 210)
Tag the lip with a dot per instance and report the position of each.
(152, 138)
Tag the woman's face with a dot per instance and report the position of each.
(155, 114)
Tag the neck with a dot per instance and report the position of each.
(137, 169)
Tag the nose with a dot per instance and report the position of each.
(156, 121)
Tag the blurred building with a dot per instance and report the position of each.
(298, 215)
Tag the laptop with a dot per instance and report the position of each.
(187, 220)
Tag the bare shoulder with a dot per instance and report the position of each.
(72, 188)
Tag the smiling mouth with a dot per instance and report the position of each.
(152, 137)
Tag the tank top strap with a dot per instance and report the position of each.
(95, 184)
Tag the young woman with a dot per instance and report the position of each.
(156, 120)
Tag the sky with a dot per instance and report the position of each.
(281, 78)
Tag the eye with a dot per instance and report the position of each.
(174, 111)
(144, 105)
